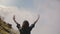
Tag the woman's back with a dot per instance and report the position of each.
(24, 31)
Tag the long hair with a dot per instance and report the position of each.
(25, 24)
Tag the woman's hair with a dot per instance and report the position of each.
(25, 24)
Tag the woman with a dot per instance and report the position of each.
(25, 29)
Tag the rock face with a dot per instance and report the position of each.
(6, 28)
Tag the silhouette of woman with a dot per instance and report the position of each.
(25, 29)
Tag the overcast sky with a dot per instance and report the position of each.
(49, 10)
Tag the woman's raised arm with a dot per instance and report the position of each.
(15, 20)
(18, 25)
(37, 19)
(34, 23)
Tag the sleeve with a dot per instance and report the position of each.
(31, 27)
(18, 26)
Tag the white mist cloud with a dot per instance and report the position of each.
(50, 13)
(21, 15)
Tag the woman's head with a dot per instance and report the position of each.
(25, 24)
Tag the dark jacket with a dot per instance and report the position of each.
(25, 31)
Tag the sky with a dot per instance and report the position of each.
(49, 11)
